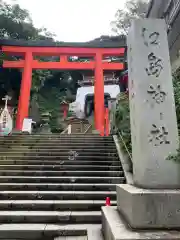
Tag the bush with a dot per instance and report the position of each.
(176, 85)
(122, 119)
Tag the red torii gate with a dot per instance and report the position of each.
(29, 63)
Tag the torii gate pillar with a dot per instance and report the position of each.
(99, 94)
(23, 104)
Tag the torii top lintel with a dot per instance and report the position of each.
(42, 48)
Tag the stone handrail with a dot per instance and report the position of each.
(126, 161)
(124, 156)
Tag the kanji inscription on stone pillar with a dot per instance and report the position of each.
(152, 107)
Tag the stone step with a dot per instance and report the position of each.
(42, 231)
(61, 146)
(60, 153)
(67, 153)
(43, 167)
(37, 139)
(60, 173)
(61, 162)
(57, 217)
(24, 135)
(52, 136)
(95, 233)
(64, 179)
(69, 145)
(42, 158)
(57, 186)
(72, 238)
(70, 140)
(73, 142)
(57, 195)
(58, 149)
(52, 205)
(50, 231)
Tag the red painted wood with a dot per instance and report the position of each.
(63, 65)
(28, 64)
(63, 59)
(69, 51)
(13, 64)
(23, 104)
(113, 66)
(99, 94)
(107, 123)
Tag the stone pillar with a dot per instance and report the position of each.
(153, 203)
(152, 108)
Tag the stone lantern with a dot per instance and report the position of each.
(45, 122)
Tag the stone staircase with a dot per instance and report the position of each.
(56, 180)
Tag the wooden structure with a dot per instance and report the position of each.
(28, 51)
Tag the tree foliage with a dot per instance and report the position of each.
(16, 23)
(122, 119)
(133, 9)
(176, 85)
(48, 87)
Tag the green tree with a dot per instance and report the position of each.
(133, 9)
(15, 23)
(122, 119)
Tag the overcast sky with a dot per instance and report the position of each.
(73, 20)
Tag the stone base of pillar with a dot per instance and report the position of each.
(115, 228)
(143, 214)
(149, 208)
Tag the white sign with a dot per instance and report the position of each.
(27, 125)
